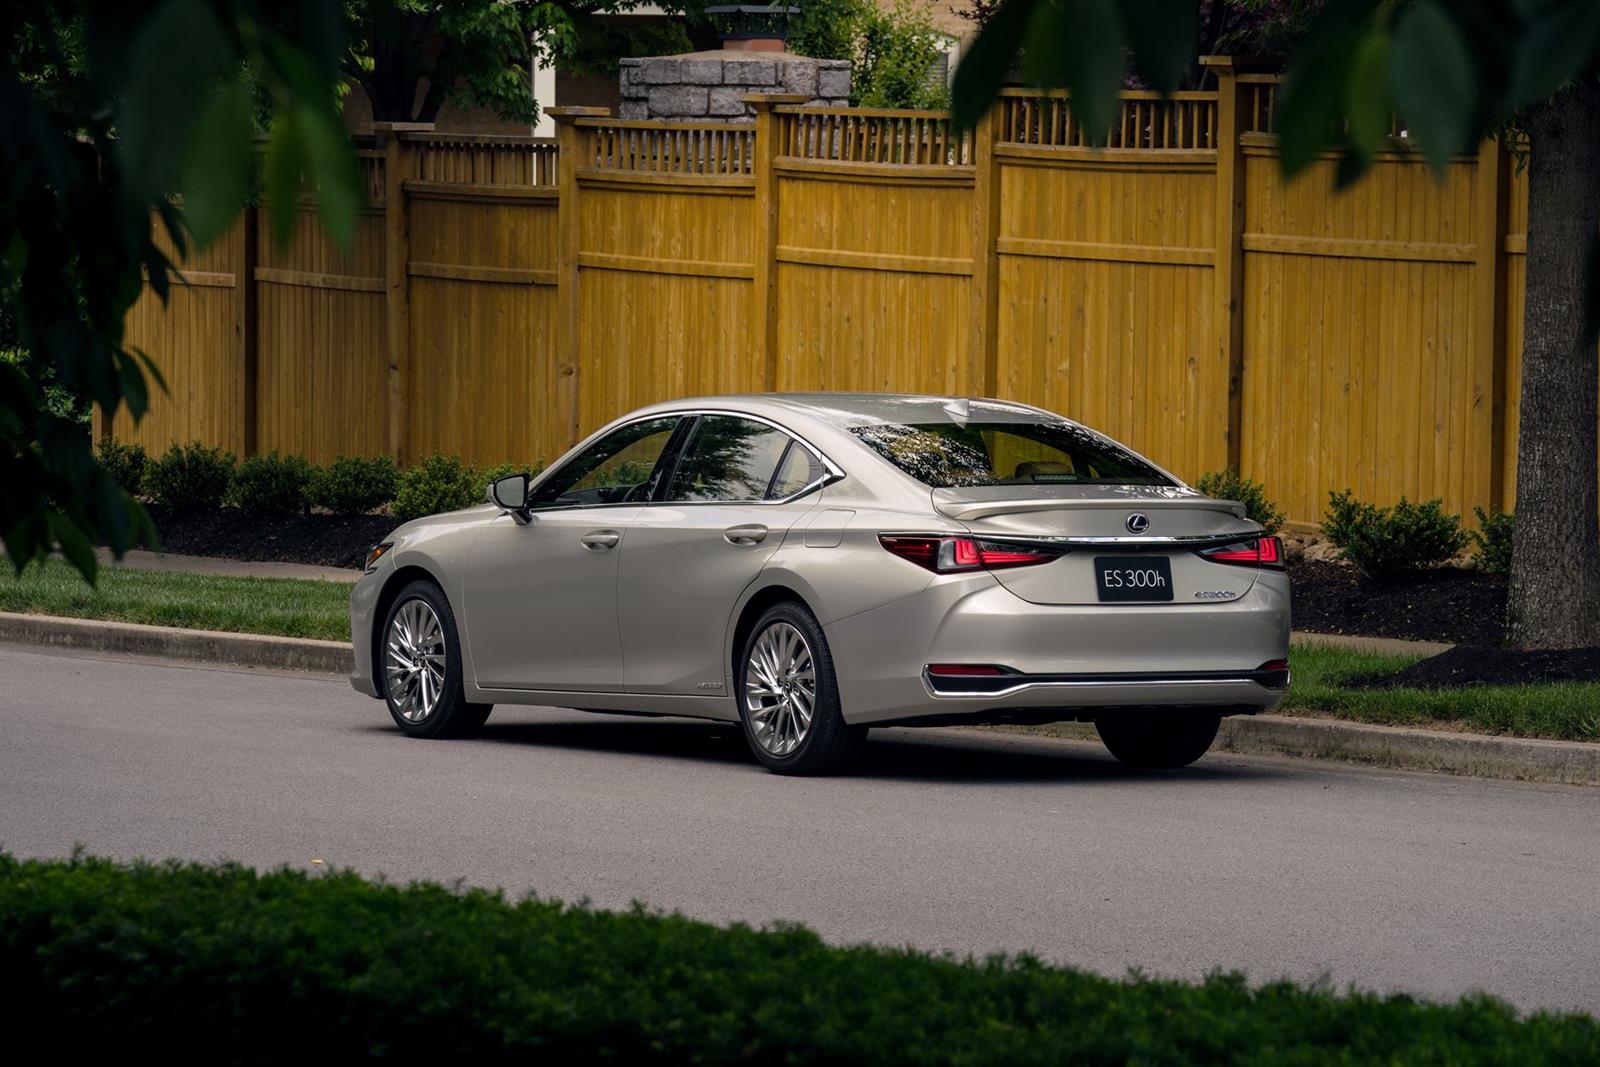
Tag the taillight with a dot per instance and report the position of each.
(1261, 552)
(950, 555)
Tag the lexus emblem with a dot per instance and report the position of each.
(1138, 522)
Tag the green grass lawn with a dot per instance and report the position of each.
(1566, 710)
(299, 608)
(288, 607)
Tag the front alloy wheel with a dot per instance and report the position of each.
(415, 658)
(789, 698)
(421, 657)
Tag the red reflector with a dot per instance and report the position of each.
(1274, 665)
(963, 670)
(947, 555)
(1262, 552)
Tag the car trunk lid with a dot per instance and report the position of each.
(1147, 537)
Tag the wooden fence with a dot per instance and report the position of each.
(506, 295)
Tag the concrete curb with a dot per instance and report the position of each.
(208, 646)
(1398, 748)
(1475, 755)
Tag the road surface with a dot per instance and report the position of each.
(946, 840)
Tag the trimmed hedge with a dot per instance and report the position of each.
(354, 485)
(1493, 538)
(1231, 485)
(157, 961)
(189, 476)
(1389, 543)
(270, 485)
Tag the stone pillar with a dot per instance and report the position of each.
(711, 86)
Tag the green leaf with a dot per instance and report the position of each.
(217, 166)
(982, 71)
(181, 49)
(1162, 34)
(1314, 89)
(1560, 42)
(1434, 80)
(75, 545)
(334, 173)
(1078, 43)
(1367, 93)
(281, 175)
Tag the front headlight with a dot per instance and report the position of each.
(376, 554)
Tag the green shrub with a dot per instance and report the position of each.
(1493, 538)
(1387, 543)
(437, 484)
(355, 485)
(125, 463)
(893, 64)
(189, 476)
(270, 484)
(142, 960)
(1231, 485)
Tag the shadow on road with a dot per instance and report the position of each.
(947, 756)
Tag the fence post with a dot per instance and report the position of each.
(244, 324)
(569, 140)
(985, 312)
(398, 162)
(1490, 209)
(1228, 266)
(764, 300)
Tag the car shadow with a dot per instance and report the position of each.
(924, 754)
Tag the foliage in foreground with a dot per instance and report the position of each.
(1388, 543)
(1231, 485)
(100, 956)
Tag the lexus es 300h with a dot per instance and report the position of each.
(810, 566)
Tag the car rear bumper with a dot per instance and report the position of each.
(1059, 661)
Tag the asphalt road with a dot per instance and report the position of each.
(946, 840)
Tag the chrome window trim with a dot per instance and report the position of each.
(831, 470)
(550, 472)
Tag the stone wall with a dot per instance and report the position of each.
(710, 86)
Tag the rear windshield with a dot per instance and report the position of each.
(944, 455)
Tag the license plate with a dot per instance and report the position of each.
(1133, 577)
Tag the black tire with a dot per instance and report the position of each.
(828, 744)
(450, 715)
(1158, 739)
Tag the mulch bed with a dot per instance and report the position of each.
(320, 540)
(1484, 665)
(1448, 604)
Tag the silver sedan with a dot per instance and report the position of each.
(809, 566)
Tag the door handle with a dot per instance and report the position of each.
(600, 540)
(752, 534)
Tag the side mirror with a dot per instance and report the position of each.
(511, 493)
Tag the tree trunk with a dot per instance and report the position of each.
(1555, 566)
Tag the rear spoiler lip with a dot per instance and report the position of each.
(981, 509)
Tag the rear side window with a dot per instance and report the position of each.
(798, 470)
(945, 455)
(728, 458)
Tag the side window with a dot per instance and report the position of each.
(798, 470)
(728, 458)
(614, 470)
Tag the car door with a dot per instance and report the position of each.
(739, 484)
(541, 594)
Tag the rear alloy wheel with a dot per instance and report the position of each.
(789, 699)
(421, 673)
(1158, 739)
